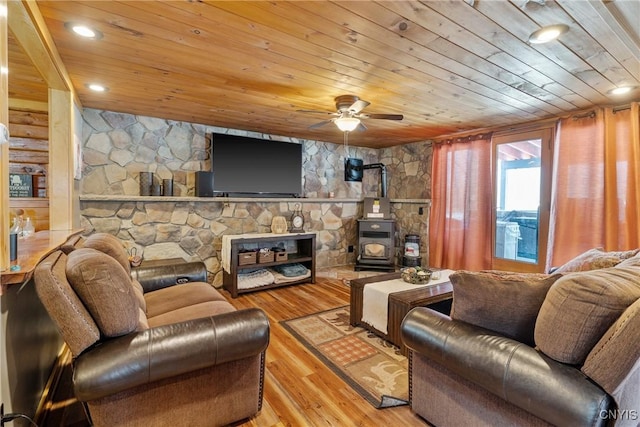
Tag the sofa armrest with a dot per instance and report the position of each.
(168, 351)
(158, 274)
(559, 394)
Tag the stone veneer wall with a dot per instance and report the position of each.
(117, 147)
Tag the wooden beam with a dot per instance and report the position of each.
(61, 183)
(4, 147)
(27, 25)
(21, 104)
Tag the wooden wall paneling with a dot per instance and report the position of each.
(4, 158)
(29, 153)
(35, 208)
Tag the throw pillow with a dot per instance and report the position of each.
(633, 261)
(501, 301)
(594, 259)
(105, 290)
(580, 307)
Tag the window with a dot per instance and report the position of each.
(522, 170)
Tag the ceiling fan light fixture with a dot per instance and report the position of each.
(547, 34)
(83, 30)
(347, 124)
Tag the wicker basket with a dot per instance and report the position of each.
(247, 258)
(265, 255)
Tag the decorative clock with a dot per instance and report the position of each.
(297, 220)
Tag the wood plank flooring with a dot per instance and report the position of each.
(299, 389)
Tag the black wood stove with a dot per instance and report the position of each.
(376, 244)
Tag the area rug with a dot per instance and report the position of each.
(370, 365)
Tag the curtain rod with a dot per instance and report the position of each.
(526, 126)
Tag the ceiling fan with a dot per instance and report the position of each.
(349, 114)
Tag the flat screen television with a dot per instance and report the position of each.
(245, 166)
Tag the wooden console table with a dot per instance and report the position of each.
(303, 252)
(438, 297)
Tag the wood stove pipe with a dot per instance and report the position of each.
(383, 176)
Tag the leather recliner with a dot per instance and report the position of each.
(152, 354)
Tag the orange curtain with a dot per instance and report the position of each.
(460, 218)
(596, 198)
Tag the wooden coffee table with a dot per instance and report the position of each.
(438, 297)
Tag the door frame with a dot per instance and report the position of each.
(546, 134)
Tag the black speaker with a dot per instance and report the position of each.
(204, 184)
(353, 169)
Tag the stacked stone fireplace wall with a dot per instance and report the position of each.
(117, 147)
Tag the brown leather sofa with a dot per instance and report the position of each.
(530, 350)
(152, 353)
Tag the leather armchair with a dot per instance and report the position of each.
(166, 354)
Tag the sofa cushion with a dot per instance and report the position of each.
(105, 289)
(168, 299)
(143, 322)
(617, 352)
(139, 293)
(504, 302)
(110, 245)
(196, 311)
(579, 309)
(594, 259)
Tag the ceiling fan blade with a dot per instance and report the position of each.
(358, 106)
(320, 124)
(318, 112)
(361, 127)
(382, 116)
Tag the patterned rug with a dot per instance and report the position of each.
(370, 365)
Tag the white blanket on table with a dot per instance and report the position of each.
(375, 298)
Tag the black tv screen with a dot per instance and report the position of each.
(250, 166)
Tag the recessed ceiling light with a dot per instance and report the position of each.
(546, 34)
(83, 30)
(4, 70)
(621, 90)
(97, 87)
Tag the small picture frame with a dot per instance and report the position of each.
(20, 185)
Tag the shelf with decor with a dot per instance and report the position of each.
(254, 262)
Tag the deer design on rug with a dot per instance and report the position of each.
(385, 375)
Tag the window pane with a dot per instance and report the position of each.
(518, 200)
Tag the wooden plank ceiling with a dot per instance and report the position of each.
(447, 66)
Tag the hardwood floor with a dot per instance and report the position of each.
(299, 389)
